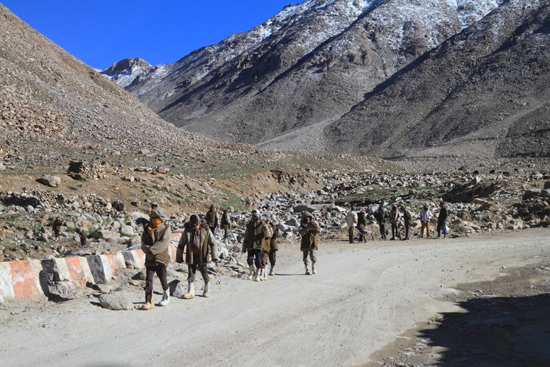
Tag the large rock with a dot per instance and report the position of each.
(528, 194)
(116, 303)
(50, 180)
(2, 167)
(547, 185)
(545, 193)
(127, 230)
(176, 288)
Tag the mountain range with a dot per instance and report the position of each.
(388, 78)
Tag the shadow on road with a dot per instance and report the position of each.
(511, 331)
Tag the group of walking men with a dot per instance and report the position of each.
(198, 245)
(358, 222)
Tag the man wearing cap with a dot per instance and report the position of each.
(154, 243)
(253, 243)
(425, 216)
(201, 244)
(309, 229)
(212, 219)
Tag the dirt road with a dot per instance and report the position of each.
(361, 300)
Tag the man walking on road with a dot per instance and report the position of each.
(425, 217)
(407, 221)
(226, 223)
(200, 244)
(442, 221)
(253, 243)
(394, 221)
(212, 219)
(309, 229)
(351, 220)
(361, 225)
(154, 243)
(382, 218)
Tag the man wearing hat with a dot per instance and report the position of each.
(154, 243)
(201, 244)
(254, 241)
(309, 229)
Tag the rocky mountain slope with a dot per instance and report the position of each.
(309, 64)
(484, 92)
(46, 93)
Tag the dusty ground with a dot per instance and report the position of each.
(392, 303)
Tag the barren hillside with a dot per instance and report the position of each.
(311, 62)
(484, 92)
(47, 93)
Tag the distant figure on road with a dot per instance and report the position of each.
(273, 248)
(309, 229)
(201, 244)
(154, 243)
(226, 223)
(351, 220)
(394, 221)
(407, 221)
(425, 217)
(253, 243)
(442, 220)
(381, 216)
(212, 219)
(266, 246)
(361, 225)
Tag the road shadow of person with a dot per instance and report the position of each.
(499, 331)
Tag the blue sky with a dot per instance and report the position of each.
(100, 32)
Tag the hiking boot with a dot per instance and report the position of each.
(165, 298)
(272, 272)
(190, 292)
(149, 305)
(307, 270)
(257, 275)
(206, 292)
(251, 272)
(313, 269)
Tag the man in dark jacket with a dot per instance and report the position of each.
(382, 218)
(154, 243)
(212, 219)
(200, 244)
(309, 229)
(394, 221)
(254, 241)
(442, 220)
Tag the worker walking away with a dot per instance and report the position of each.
(273, 248)
(442, 220)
